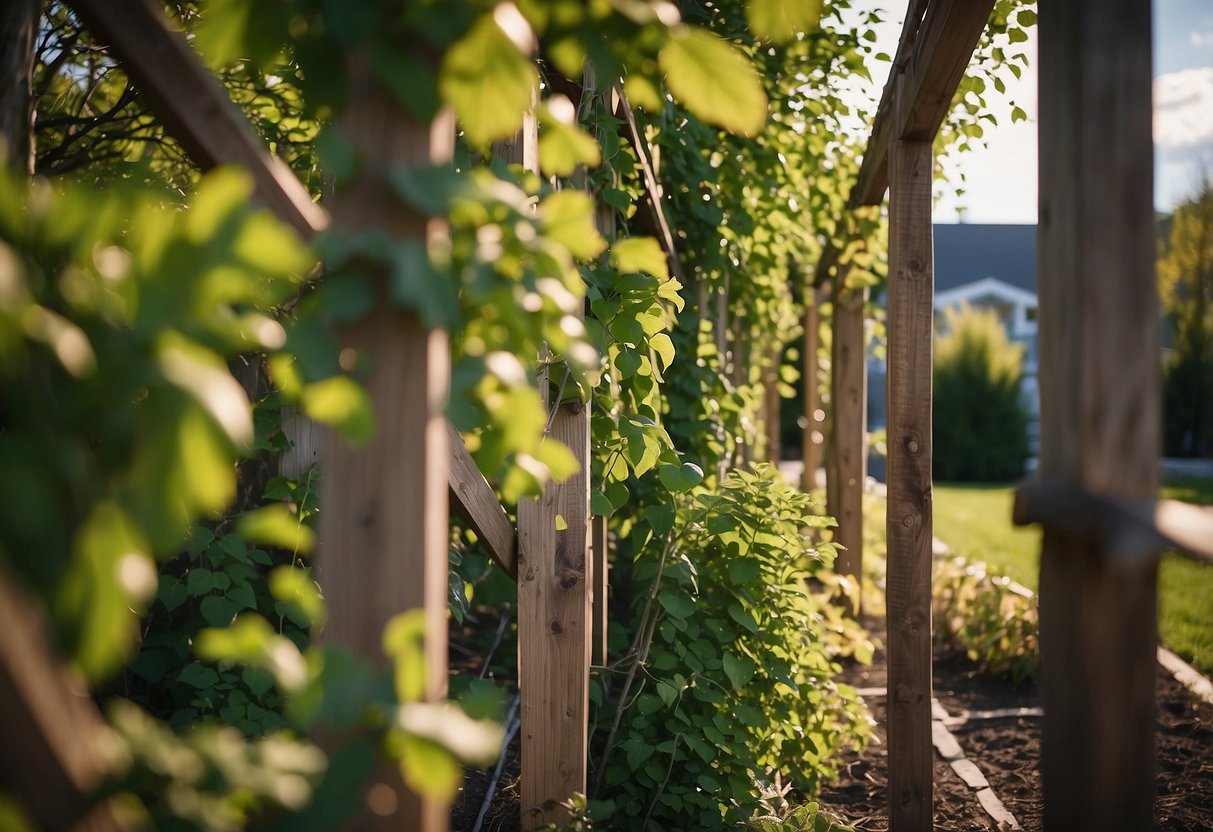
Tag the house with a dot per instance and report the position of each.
(987, 267)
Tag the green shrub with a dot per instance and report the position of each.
(993, 621)
(980, 432)
(729, 676)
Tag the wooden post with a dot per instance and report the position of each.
(18, 27)
(811, 445)
(555, 622)
(771, 404)
(849, 395)
(1099, 408)
(911, 313)
(384, 527)
(554, 626)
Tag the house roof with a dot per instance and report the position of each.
(965, 253)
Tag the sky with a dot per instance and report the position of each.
(1001, 178)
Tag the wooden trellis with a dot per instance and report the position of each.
(1099, 428)
(386, 502)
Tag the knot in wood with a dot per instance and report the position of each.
(569, 579)
(911, 443)
(557, 627)
(904, 693)
(908, 520)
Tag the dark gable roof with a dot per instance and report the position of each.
(965, 253)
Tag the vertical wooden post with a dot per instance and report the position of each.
(911, 313)
(554, 618)
(555, 622)
(813, 427)
(771, 404)
(849, 395)
(18, 28)
(384, 526)
(1099, 407)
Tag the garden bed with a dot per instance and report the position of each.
(1007, 751)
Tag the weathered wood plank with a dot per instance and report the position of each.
(384, 528)
(849, 396)
(192, 104)
(911, 292)
(51, 756)
(941, 48)
(1099, 388)
(475, 502)
(811, 443)
(556, 589)
(554, 632)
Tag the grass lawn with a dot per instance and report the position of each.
(975, 520)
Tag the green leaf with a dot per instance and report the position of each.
(782, 20)
(276, 525)
(678, 478)
(640, 254)
(198, 676)
(743, 616)
(739, 669)
(567, 217)
(714, 80)
(600, 504)
(199, 581)
(218, 611)
(564, 146)
(295, 586)
(676, 602)
(339, 401)
(488, 82)
(664, 347)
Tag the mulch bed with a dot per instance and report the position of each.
(1007, 750)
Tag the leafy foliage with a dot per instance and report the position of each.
(980, 427)
(728, 634)
(1185, 275)
(993, 621)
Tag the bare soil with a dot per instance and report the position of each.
(1007, 750)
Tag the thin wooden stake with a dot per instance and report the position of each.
(811, 446)
(849, 395)
(1099, 392)
(911, 313)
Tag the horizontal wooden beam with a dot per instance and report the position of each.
(933, 67)
(192, 104)
(1129, 531)
(474, 502)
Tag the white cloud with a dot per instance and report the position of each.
(1200, 38)
(1183, 108)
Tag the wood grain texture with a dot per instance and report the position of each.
(911, 314)
(811, 443)
(1099, 382)
(384, 527)
(51, 756)
(849, 395)
(554, 632)
(556, 589)
(192, 104)
(475, 502)
(928, 72)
